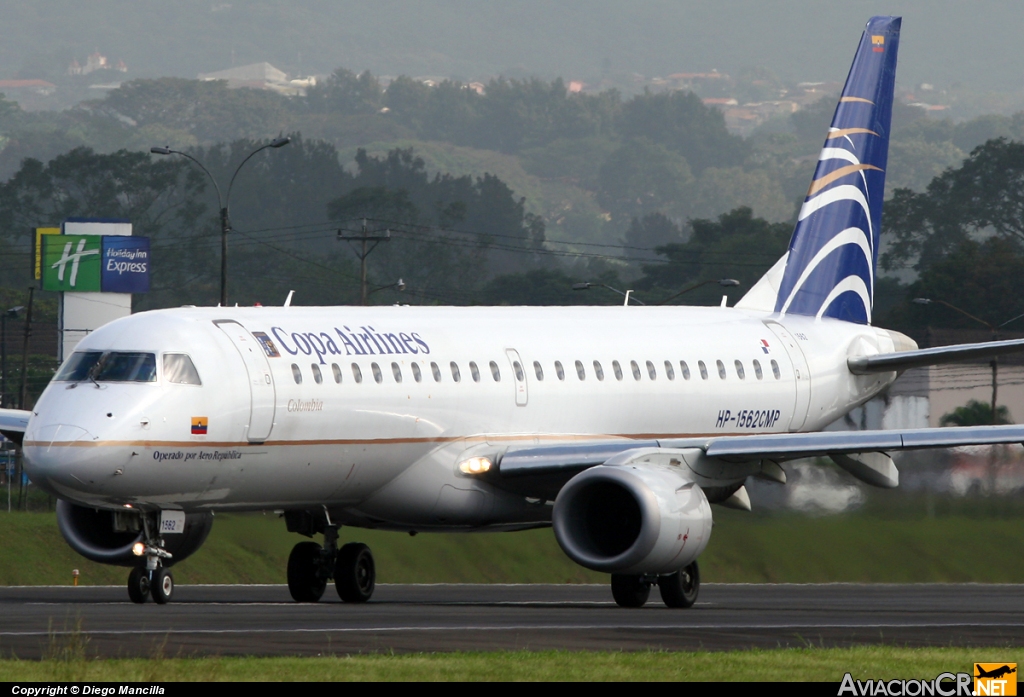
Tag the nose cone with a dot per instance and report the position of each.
(64, 460)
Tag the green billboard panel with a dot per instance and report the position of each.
(72, 262)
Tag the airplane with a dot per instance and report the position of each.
(616, 426)
(995, 673)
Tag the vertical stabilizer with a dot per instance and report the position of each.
(830, 270)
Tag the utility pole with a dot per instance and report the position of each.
(24, 351)
(365, 238)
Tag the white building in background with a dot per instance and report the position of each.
(261, 76)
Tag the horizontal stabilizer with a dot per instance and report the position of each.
(13, 423)
(904, 360)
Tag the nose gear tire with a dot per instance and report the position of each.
(629, 590)
(305, 582)
(162, 585)
(355, 574)
(138, 584)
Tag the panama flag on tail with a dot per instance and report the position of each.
(830, 269)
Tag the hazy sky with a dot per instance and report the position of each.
(944, 41)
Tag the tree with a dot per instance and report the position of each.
(736, 245)
(651, 231)
(986, 192)
(641, 178)
(681, 122)
(975, 413)
(344, 92)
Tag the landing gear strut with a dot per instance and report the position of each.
(150, 577)
(678, 590)
(311, 566)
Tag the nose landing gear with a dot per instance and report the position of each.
(150, 577)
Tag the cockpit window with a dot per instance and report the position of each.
(110, 366)
(126, 366)
(178, 369)
(77, 367)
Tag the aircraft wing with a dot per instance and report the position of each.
(542, 471)
(903, 360)
(13, 423)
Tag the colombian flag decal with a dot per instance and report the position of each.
(199, 425)
(877, 44)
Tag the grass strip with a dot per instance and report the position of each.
(803, 664)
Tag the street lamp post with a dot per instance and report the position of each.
(223, 203)
(398, 285)
(995, 336)
(724, 282)
(10, 313)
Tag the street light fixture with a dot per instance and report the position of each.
(398, 285)
(10, 313)
(995, 336)
(724, 282)
(223, 203)
(626, 294)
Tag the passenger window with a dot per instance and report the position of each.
(296, 374)
(558, 370)
(721, 369)
(178, 369)
(417, 374)
(396, 370)
(580, 373)
(685, 369)
(538, 370)
(495, 372)
(775, 370)
(336, 369)
(636, 370)
(650, 371)
(757, 369)
(377, 375)
(703, 370)
(318, 377)
(518, 370)
(617, 369)
(598, 370)
(357, 374)
(474, 371)
(740, 373)
(436, 371)
(670, 372)
(456, 375)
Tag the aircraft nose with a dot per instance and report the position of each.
(60, 459)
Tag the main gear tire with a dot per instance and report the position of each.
(162, 586)
(355, 574)
(138, 584)
(305, 582)
(681, 588)
(629, 590)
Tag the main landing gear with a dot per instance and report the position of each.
(311, 566)
(677, 590)
(150, 577)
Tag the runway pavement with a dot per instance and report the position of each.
(262, 620)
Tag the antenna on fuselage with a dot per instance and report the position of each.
(288, 300)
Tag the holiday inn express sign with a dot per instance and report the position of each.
(95, 263)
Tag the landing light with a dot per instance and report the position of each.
(138, 549)
(475, 465)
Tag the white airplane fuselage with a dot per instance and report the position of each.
(383, 451)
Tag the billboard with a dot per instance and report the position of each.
(95, 263)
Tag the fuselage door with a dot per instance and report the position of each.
(801, 374)
(518, 376)
(261, 382)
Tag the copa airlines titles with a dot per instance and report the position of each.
(363, 341)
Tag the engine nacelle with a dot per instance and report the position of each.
(647, 519)
(103, 537)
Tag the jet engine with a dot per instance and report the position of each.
(632, 519)
(107, 536)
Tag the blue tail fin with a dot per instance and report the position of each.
(830, 271)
